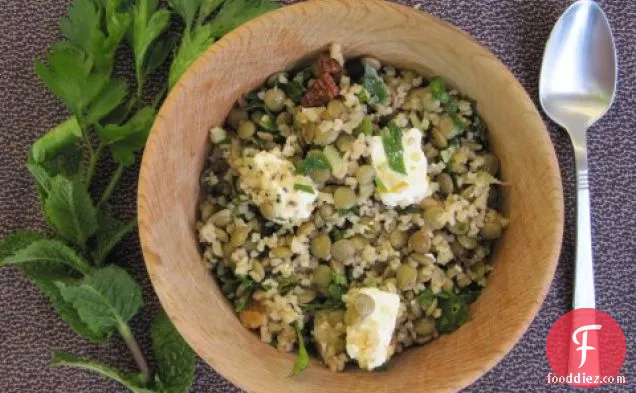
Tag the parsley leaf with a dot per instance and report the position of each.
(373, 84)
(70, 210)
(124, 140)
(148, 24)
(311, 162)
(65, 135)
(197, 37)
(71, 76)
(175, 359)
(111, 97)
(302, 360)
(104, 300)
(304, 188)
(131, 381)
(392, 143)
(236, 12)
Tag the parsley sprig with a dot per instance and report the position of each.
(108, 113)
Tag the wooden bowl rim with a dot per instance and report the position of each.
(310, 6)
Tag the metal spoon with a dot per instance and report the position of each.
(578, 81)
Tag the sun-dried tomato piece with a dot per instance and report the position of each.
(326, 65)
(321, 92)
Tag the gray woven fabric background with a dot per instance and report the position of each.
(515, 30)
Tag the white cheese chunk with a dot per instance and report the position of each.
(395, 188)
(270, 178)
(369, 338)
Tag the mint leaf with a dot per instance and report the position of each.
(124, 140)
(110, 232)
(70, 210)
(148, 24)
(43, 251)
(235, 12)
(71, 77)
(175, 359)
(43, 274)
(104, 300)
(393, 149)
(302, 360)
(45, 280)
(17, 241)
(131, 381)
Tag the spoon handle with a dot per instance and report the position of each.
(583, 269)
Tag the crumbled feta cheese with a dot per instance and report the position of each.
(400, 189)
(269, 178)
(369, 338)
(217, 135)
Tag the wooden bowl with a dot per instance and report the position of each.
(524, 259)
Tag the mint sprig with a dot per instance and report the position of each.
(94, 297)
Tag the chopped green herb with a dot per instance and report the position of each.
(249, 286)
(379, 185)
(366, 127)
(412, 209)
(302, 360)
(426, 298)
(438, 89)
(311, 162)
(304, 188)
(393, 149)
(294, 90)
(446, 154)
(337, 286)
(346, 212)
(338, 234)
(287, 283)
(373, 84)
(225, 142)
(458, 122)
(454, 312)
(268, 123)
(363, 97)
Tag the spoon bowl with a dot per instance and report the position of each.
(578, 76)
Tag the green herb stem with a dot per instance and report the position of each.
(135, 350)
(112, 184)
(93, 158)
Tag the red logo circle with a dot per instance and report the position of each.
(585, 348)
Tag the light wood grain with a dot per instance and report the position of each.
(525, 258)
